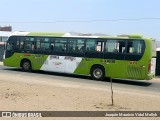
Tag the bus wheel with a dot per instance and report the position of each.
(97, 72)
(26, 66)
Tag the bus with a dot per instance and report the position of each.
(116, 57)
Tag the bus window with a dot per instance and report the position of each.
(10, 46)
(42, 44)
(80, 45)
(13, 44)
(60, 44)
(135, 47)
(26, 43)
(100, 46)
(52, 44)
(91, 45)
(116, 46)
(76, 45)
(21, 44)
(45, 44)
(38, 44)
(72, 45)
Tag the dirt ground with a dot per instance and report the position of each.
(17, 94)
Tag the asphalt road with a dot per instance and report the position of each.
(146, 86)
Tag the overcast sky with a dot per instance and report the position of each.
(110, 17)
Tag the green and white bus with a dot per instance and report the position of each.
(99, 56)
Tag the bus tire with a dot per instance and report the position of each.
(97, 72)
(26, 65)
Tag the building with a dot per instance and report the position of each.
(3, 38)
(6, 28)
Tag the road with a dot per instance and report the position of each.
(141, 86)
(48, 91)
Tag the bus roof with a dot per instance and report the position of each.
(58, 34)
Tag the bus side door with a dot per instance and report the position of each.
(115, 58)
(75, 62)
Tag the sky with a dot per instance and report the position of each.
(111, 17)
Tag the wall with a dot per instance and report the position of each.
(158, 64)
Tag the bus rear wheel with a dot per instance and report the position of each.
(97, 72)
(26, 66)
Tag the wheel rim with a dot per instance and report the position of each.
(97, 73)
(26, 66)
